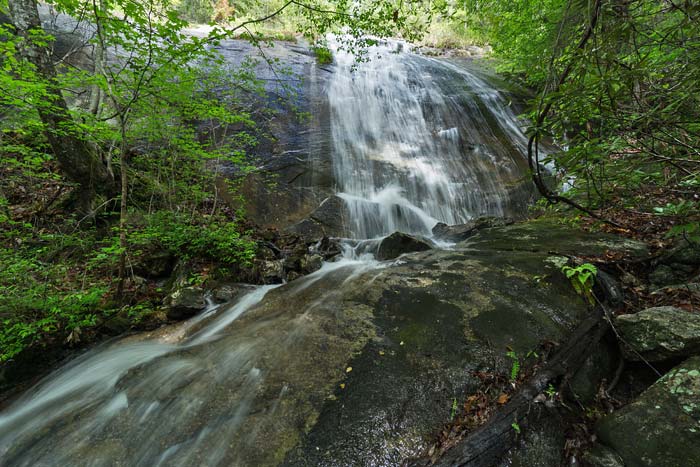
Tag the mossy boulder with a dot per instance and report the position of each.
(662, 427)
(660, 333)
(184, 302)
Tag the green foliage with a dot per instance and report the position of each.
(582, 279)
(187, 238)
(550, 391)
(42, 305)
(324, 56)
(453, 411)
(515, 427)
(682, 208)
(515, 365)
(689, 231)
(628, 114)
(164, 108)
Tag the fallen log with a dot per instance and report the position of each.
(491, 441)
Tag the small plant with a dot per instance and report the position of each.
(515, 367)
(582, 279)
(550, 391)
(515, 427)
(453, 412)
(690, 231)
(681, 209)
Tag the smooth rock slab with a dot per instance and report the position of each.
(660, 333)
(662, 427)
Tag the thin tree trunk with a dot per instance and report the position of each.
(77, 159)
(123, 206)
(96, 94)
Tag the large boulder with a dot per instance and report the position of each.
(399, 243)
(660, 333)
(185, 302)
(662, 427)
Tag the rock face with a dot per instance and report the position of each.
(328, 220)
(457, 233)
(660, 333)
(662, 427)
(185, 302)
(399, 243)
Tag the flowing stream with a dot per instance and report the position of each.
(415, 141)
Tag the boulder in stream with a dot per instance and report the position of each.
(399, 243)
(184, 302)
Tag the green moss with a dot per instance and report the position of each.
(324, 56)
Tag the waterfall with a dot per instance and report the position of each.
(416, 141)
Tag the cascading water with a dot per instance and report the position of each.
(418, 141)
(415, 141)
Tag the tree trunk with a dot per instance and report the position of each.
(77, 159)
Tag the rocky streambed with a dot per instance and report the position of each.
(356, 364)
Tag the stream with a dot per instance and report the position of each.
(261, 381)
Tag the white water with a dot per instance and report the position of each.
(418, 141)
(415, 141)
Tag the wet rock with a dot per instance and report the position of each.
(328, 220)
(311, 263)
(399, 243)
(662, 427)
(459, 232)
(545, 235)
(328, 248)
(608, 289)
(228, 292)
(453, 233)
(271, 272)
(358, 366)
(601, 456)
(665, 275)
(660, 333)
(686, 253)
(185, 302)
(677, 266)
(541, 442)
(600, 365)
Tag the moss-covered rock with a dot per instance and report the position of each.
(184, 302)
(660, 333)
(662, 427)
